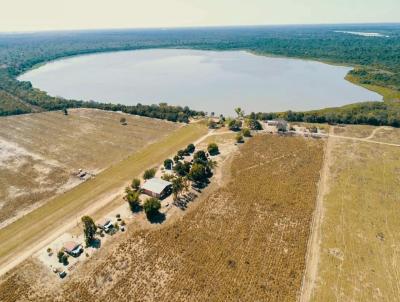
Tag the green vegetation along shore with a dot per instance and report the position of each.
(377, 60)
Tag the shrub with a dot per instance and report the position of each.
(168, 163)
(239, 138)
(190, 148)
(246, 132)
(135, 184)
(151, 206)
(150, 173)
(213, 149)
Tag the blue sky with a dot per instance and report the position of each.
(33, 15)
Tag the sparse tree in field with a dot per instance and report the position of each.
(246, 132)
(133, 200)
(177, 187)
(89, 229)
(65, 111)
(239, 112)
(235, 125)
(213, 149)
(122, 121)
(168, 163)
(135, 184)
(221, 120)
(150, 173)
(190, 148)
(176, 159)
(254, 124)
(151, 206)
(239, 138)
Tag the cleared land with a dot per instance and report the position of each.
(246, 241)
(39, 153)
(359, 250)
(41, 224)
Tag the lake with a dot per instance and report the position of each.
(205, 80)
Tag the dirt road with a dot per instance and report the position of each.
(313, 246)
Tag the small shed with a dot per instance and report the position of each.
(157, 187)
(73, 248)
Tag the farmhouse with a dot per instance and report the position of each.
(157, 187)
(73, 248)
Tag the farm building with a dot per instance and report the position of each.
(281, 125)
(157, 187)
(73, 248)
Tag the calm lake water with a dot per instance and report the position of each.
(204, 80)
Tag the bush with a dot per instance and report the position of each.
(182, 168)
(150, 173)
(168, 163)
(213, 149)
(167, 177)
(239, 138)
(190, 148)
(135, 184)
(200, 156)
(133, 200)
(151, 206)
(235, 125)
(246, 132)
(254, 124)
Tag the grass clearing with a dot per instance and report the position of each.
(246, 241)
(39, 153)
(34, 226)
(360, 238)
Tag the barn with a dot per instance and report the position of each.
(157, 187)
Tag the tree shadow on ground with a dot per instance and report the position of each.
(136, 208)
(156, 218)
(95, 243)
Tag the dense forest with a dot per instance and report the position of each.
(377, 59)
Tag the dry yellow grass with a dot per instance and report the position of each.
(36, 225)
(245, 242)
(360, 251)
(39, 152)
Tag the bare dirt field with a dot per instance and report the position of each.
(246, 241)
(39, 153)
(359, 245)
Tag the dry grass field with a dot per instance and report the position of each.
(245, 242)
(40, 152)
(360, 241)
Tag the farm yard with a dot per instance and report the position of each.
(359, 249)
(248, 235)
(40, 154)
(60, 214)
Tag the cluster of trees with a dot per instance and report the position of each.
(371, 113)
(378, 58)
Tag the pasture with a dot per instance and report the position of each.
(41, 153)
(245, 241)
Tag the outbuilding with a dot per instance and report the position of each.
(73, 248)
(157, 187)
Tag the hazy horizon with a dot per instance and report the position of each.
(53, 15)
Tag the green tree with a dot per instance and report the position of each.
(200, 156)
(65, 111)
(198, 172)
(150, 173)
(239, 138)
(135, 184)
(190, 148)
(181, 154)
(182, 168)
(151, 206)
(133, 200)
(176, 159)
(60, 256)
(254, 124)
(168, 163)
(177, 186)
(235, 125)
(246, 132)
(89, 229)
(239, 112)
(213, 149)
